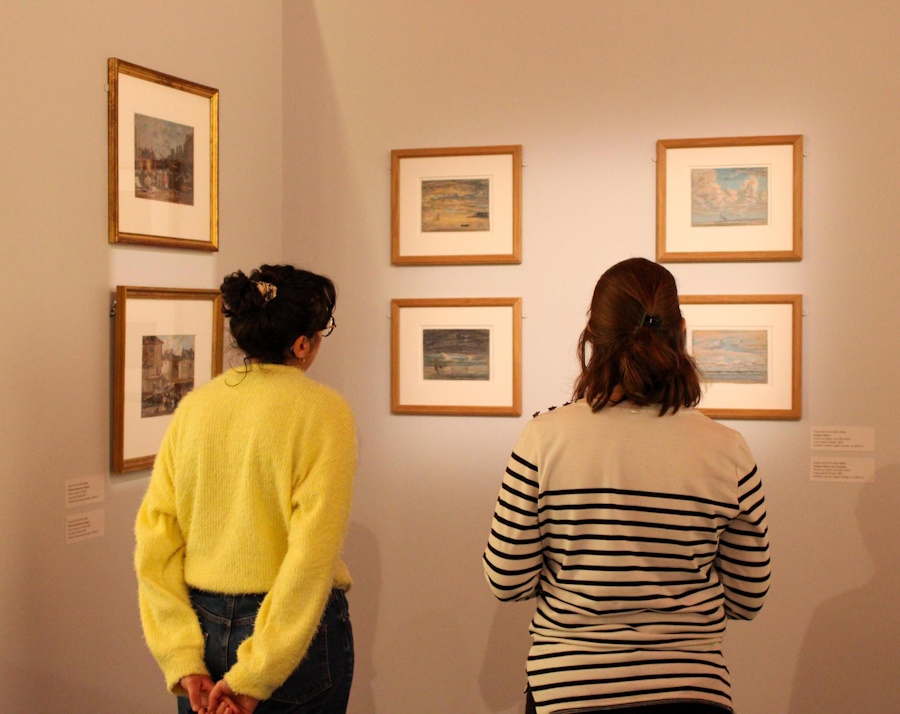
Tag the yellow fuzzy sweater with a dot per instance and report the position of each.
(250, 493)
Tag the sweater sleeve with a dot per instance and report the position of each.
(291, 611)
(743, 561)
(170, 624)
(513, 558)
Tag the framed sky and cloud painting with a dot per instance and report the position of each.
(729, 199)
(457, 356)
(748, 351)
(456, 205)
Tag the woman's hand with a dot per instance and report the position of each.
(198, 687)
(223, 700)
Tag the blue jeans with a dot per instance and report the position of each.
(321, 682)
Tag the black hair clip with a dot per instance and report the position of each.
(650, 321)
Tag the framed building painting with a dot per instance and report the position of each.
(457, 356)
(163, 159)
(167, 342)
(456, 205)
(729, 199)
(748, 351)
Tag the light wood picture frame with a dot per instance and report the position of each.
(163, 159)
(748, 349)
(456, 206)
(167, 342)
(729, 199)
(454, 356)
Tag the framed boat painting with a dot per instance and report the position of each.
(457, 356)
(729, 199)
(748, 351)
(163, 159)
(456, 205)
(167, 342)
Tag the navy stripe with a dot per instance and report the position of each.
(747, 477)
(520, 477)
(515, 541)
(634, 693)
(638, 494)
(522, 461)
(548, 534)
(748, 548)
(635, 553)
(654, 662)
(635, 524)
(517, 526)
(624, 507)
(519, 494)
(509, 556)
(510, 507)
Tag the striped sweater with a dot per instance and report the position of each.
(639, 535)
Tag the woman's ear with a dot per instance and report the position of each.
(301, 348)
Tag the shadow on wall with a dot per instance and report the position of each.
(365, 568)
(502, 677)
(850, 658)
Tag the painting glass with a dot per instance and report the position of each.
(458, 204)
(163, 160)
(167, 372)
(456, 354)
(732, 356)
(730, 196)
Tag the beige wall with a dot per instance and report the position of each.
(312, 103)
(587, 88)
(69, 635)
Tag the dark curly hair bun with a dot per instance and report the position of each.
(273, 306)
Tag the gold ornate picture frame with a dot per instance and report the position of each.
(729, 199)
(163, 159)
(167, 342)
(456, 206)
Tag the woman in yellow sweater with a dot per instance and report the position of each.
(240, 577)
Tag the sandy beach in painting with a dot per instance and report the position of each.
(454, 205)
(456, 354)
(732, 356)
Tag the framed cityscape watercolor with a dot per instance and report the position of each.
(729, 199)
(457, 356)
(456, 205)
(748, 351)
(167, 342)
(163, 159)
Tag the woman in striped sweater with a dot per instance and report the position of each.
(638, 523)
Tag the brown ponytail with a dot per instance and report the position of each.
(634, 339)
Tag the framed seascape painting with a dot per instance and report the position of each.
(457, 356)
(748, 351)
(163, 159)
(732, 199)
(456, 205)
(167, 342)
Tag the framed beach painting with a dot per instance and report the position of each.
(729, 199)
(163, 159)
(457, 356)
(167, 342)
(456, 205)
(748, 351)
